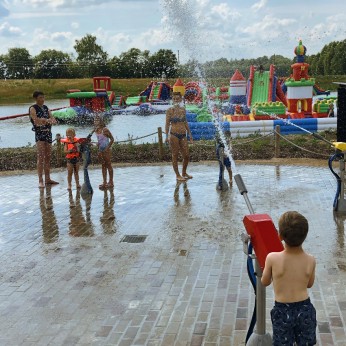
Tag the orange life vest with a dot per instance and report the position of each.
(72, 146)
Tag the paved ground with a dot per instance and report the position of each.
(67, 278)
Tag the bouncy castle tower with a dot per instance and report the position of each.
(237, 91)
(300, 86)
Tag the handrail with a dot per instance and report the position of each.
(25, 114)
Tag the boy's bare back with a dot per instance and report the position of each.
(292, 272)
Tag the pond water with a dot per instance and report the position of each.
(17, 132)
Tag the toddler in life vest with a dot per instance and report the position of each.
(73, 156)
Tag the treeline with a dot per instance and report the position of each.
(91, 60)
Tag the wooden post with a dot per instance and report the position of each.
(159, 133)
(58, 149)
(277, 141)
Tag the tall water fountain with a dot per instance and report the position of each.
(184, 24)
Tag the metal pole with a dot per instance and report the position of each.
(261, 302)
(341, 206)
(260, 337)
(277, 141)
(341, 119)
(58, 149)
(159, 133)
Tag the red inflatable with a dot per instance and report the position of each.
(193, 93)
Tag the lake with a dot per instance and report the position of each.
(17, 132)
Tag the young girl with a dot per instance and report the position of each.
(105, 140)
(71, 149)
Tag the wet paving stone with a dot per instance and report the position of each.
(67, 279)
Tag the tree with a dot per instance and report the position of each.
(282, 65)
(189, 70)
(115, 67)
(145, 64)
(164, 62)
(131, 63)
(217, 68)
(3, 67)
(52, 64)
(91, 57)
(19, 63)
(337, 59)
(329, 54)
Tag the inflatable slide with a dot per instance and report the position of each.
(264, 86)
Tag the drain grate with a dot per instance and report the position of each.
(182, 253)
(133, 238)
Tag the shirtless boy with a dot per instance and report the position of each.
(292, 272)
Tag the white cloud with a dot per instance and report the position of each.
(61, 36)
(259, 5)
(205, 29)
(120, 38)
(25, 15)
(62, 41)
(8, 30)
(115, 44)
(202, 3)
(224, 12)
(62, 4)
(154, 37)
(266, 28)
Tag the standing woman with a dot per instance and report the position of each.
(42, 120)
(176, 129)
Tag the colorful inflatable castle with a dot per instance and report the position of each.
(300, 90)
(153, 93)
(85, 104)
(238, 108)
(265, 101)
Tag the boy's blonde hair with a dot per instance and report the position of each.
(293, 228)
(71, 129)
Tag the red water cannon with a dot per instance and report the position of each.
(263, 236)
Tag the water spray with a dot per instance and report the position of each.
(220, 133)
(184, 23)
(180, 13)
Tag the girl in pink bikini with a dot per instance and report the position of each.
(105, 140)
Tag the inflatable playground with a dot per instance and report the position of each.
(85, 104)
(246, 106)
(260, 103)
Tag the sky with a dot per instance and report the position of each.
(193, 29)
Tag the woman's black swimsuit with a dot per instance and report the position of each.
(179, 135)
(178, 120)
(42, 133)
